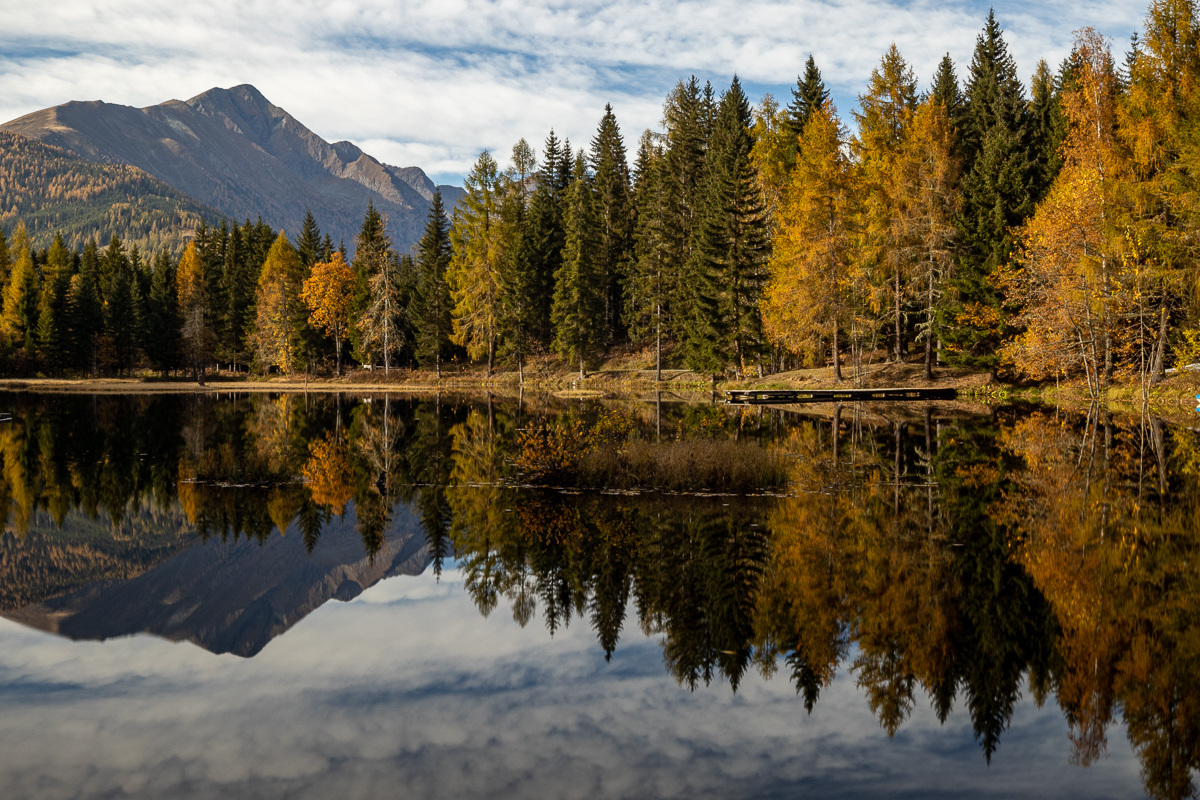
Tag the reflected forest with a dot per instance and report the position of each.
(955, 560)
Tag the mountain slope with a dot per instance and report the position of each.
(234, 150)
(53, 191)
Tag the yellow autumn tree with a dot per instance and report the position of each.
(275, 337)
(329, 293)
(887, 256)
(474, 271)
(328, 472)
(1069, 281)
(192, 291)
(20, 316)
(808, 297)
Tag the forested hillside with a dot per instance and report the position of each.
(1043, 235)
(52, 192)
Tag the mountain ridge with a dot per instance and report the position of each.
(235, 151)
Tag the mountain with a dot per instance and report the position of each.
(225, 596)
(53, 191)
(233, 150)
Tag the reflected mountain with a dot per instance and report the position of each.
(232, 596)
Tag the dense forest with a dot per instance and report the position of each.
(1043, 234)
(52, 191)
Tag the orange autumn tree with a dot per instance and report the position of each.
(192, 291)
(807, 300)
(328, 294)
(328, 472)
(1072, 283)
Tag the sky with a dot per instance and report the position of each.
(432, 82)
(409, 691)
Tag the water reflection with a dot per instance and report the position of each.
(944, 559)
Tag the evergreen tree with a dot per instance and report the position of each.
(164, 322)
(732, 246)
(614, 215)
(1047, 130)
(21, 294)
(578, 311)
(119, 318)
(544, 239)
(308, 246)
(996, 197)
(809, 95)
(52, 326)
(381, 324)
(518, 277)
(370, 248)
(278, 307)
(945, 91)
(684, 175)
(652, 281)
(86, 310)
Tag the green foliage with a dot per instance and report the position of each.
(54, 192)
(579, 291)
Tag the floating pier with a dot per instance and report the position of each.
(752, 397)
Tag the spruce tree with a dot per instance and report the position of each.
(308, 246)
(544, 241)
(614, 216)
(809, 95)
(164, 321)
(578, 311)
(648, 291)
(431, 302)
(52, 327)
(995, 198)
(519, 279)
(1047, 129)
(86, 310)
(732, 246)
(684, 174)
(945, 90)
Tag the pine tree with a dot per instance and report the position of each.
(432, 305)
(684, 176)
(614, 215)
(996, 198)
(119, 317)
(732, 245)
(808, 97)
(578, 311)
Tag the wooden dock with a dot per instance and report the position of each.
(754, 397)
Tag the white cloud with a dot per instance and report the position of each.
(407, 691)
(434, 82)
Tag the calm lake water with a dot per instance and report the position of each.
(312, 597)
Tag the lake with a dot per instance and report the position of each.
(300, 596)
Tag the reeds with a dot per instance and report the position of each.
(689, 465)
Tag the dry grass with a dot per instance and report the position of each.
(710, 465)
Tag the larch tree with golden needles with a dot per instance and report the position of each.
(1068, 284)
(474, 273)
(926, 184)
(887, 111)
(192, 291)
(275, 339)
(1157, 119)
(328, 294)
(807, 298)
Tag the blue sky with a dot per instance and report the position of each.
(431, 82)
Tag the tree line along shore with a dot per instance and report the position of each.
(1046, 236)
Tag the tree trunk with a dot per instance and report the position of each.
(1160, 347)
(837, 357)
(658, 345)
